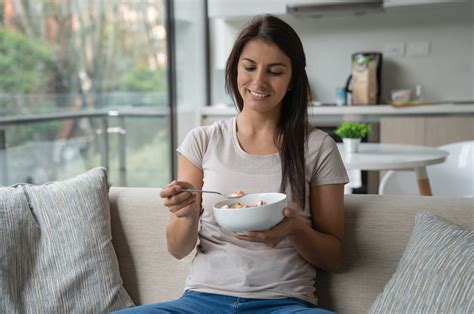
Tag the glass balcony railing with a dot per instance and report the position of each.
(131, 142)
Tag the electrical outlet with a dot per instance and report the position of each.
(394, 49)
(418, 49)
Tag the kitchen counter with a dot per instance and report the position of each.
(358, 113)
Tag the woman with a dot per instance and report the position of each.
(268, 147)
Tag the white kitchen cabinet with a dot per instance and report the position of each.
(239, 8)
(401, 3)
(247, 8)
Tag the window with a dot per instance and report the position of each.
(84, 83)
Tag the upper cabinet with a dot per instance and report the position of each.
(310, 8)
(243, 8)
(239, 8)
(398, 3)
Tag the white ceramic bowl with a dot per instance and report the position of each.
(251, 218)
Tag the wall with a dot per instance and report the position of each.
(447, 73)
(191, 65)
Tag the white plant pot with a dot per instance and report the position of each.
(351, 145)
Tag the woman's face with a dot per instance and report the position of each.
(263, 76)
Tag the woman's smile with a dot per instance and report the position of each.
(258, 95)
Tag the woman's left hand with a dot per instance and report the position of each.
(287, 227)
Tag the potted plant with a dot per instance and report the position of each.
(351, 134)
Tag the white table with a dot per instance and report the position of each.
(375, 156)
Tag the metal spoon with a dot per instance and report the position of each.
(228, 196)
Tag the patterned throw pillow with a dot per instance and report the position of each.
(435, 273)
(68, 263)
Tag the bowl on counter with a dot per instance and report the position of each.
(254, 218)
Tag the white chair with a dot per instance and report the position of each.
(454, 177)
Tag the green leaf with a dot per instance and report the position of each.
(353, 130)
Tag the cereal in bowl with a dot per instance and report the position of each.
(238, 205)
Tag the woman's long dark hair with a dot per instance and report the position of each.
(292, 128)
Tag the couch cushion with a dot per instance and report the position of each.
(435, 272)
(71, 264)
(139, 220)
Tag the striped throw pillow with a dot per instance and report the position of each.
(435, 273)
(16, 225)
(70, 264)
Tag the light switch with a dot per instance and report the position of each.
(394, 49)
(418, 49)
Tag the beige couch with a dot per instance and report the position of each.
(377, 231)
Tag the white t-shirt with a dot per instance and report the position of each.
(229, 266)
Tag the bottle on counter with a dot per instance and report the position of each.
(340, 96)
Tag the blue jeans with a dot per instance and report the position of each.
(207, 303)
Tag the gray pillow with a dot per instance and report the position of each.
(16, 226)
(71, 266)
(435, 273)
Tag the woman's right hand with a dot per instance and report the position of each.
(182, 204)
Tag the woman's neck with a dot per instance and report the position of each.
(253, 123)
(256, 134)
